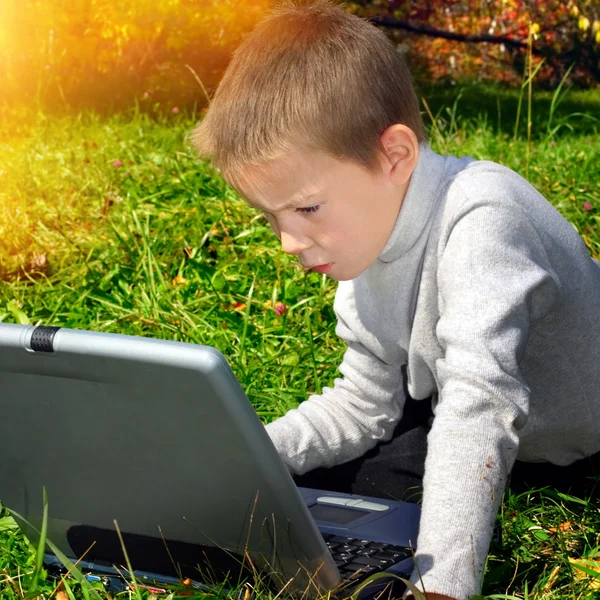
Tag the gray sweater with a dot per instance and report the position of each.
(489, 297)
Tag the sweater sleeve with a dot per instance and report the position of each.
(495, 284)
(343, 422)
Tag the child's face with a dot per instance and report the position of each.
(336, 217)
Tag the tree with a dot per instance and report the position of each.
(443, 35)
(104, 53)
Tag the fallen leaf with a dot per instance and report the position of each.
(552, 579)
(61, 594)
(587, 570)
(566, 526)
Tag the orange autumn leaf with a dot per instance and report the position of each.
(563, 527)
(61, 594)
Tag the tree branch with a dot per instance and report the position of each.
(450, 35)
(575, 54)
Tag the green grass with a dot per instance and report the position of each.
(157, 245)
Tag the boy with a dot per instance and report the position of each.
(460, 285)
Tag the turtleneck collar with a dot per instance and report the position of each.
(417, 206)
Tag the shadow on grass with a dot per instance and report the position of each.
(498, 105)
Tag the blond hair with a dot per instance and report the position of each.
(310, 76)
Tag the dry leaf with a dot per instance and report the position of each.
(60, 593)
(566, 526)
(590, 564)
(552, 579)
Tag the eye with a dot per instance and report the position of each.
(309, 209)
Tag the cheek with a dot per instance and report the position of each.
(334, 237)
(358, 219)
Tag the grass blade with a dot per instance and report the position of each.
(136, 589)
(311, 343)
(246, 320)
(66, 562)
(41, 547)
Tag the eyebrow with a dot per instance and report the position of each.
(292, 204)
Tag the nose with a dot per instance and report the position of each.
(293, 244)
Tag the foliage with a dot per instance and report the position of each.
(566, 32)
(105, 53)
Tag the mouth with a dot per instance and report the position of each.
(321, 268)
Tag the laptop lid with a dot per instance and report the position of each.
(157, 435)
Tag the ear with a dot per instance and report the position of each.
(400, 149)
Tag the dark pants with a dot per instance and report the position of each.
(394, 469)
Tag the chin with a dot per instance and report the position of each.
(338, 279)
(348, 275)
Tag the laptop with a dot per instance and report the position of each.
(159, 438)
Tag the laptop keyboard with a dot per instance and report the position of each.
(358, 559)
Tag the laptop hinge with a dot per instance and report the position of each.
(42, 337)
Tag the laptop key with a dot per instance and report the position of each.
(386, 555)
(365, 552)
(378, 545)
(357, 571)
(346, 557)
(368, 560)
(400, 550)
